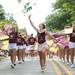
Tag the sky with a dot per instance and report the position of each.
(39, 12)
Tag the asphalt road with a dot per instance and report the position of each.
(32, 67)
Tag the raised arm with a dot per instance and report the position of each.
(32, 23)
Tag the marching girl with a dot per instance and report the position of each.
(20, 42)
(12, 46)
(42, 46)
(31, 43)
(72, 45)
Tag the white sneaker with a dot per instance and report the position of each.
(59, 59)
(20, 62)
(43, 68)
(72, 66)
(67, 63)
(63, 61)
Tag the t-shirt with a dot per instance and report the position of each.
(20, 41)
(12, 37)
(31, 41)
(41, 37)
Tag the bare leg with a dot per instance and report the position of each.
(72, 56)
(64, 54)
(42, 55)
(23, 54)
(20, 55)
(67, 54)
(13, 57)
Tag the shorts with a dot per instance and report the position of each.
(24, 46)
(43, 45)
(20, 47)
(12, 46)
(71, 45)
(30, 47)
(66, 47)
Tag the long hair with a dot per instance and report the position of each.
(43, 25)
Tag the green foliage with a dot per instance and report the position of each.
(7, 22)
(2, 13)
(64, 14)
(57, 21)
(23, 31)
(27, 7)
(65, 4)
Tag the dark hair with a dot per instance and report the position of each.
(43, 25)
(31, 34)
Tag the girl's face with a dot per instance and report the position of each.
(41, 26)
(25, 38)
(19, 34)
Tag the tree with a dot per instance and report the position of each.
(57, 21)
(2, 13)
(7, 22)
(65, 4)
(64, 14)
(23, 31)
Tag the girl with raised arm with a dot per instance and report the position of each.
(42, 46)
